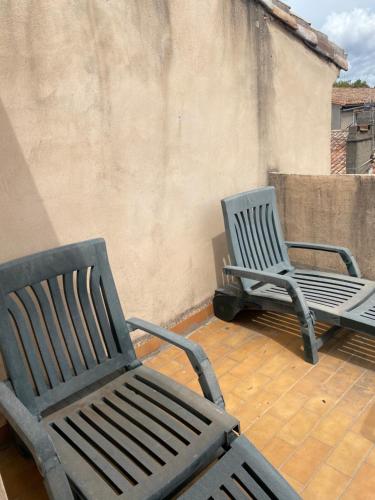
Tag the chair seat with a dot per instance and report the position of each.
(242, 473)
(323, 291)
(139, 437)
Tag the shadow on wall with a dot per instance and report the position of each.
(25, 225)
(221, 259)
(24, 222)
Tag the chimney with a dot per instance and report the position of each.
(359, 146)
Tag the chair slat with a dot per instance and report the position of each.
(232, 490)
(271, 234)
(252, 238)
(45, 307)
(266, 238)
(218, 495)
(309, 297)
(101, 313)
(256, 237)
(252, 485)
(325, 293)
(28, 345)
(262, 243)
(80, 382)
(332, 290)
(93, 486)
(243, 260)
(250, 241)
(274, 230)
(122, 438)
(113, 305)
(120, 457)
(76, 319)
(88, 315)
(146, 422)
(241, 236)
(148, 409)
(134, 427)
(64, 325)
(103, 466)
(170, 405)
(335, 281)
(249, 238)
(169, 421)
(39, 336)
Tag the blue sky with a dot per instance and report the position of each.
(350, 24)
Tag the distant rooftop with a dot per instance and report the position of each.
(351, 96)
(303, 30)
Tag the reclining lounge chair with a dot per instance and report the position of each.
(268, 281)
(98, 423)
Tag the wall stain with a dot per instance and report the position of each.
(104, 92)
(259, 20)
(144, 52)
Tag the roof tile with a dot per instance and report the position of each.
(338, 151)
(313, 38)
(346, 96)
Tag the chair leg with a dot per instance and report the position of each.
(226, 305)
(57, 484)
(310, 347)
(328, 335)
(22, 448)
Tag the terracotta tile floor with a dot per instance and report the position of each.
(316, 424)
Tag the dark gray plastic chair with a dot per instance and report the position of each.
(98, 423)
(268, 281)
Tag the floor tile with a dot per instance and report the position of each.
(364, 424)
(321, 402)
(303, 463)
(350, 451)
(277, 451)
(288, 405)
(262, 431)
(363, 485)
(371, 456)
(327, 484)
(355, 400)
(298, 427)
(249, 385)
(332, 427)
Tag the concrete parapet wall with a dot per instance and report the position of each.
(339, 210)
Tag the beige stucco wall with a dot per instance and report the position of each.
(334, 209)
(297, 135)
(130, 120)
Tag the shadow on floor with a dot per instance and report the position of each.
(284, 328)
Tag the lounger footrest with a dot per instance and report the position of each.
(241, 473)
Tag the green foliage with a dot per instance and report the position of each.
(349, 84)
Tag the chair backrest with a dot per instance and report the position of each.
(254, 234)
(61, 324)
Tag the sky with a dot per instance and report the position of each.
(350, 24)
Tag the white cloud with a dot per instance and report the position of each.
(355, 31)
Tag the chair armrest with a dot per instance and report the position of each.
(197, 357)
(289, 284)
(345, 254)
(29, 429)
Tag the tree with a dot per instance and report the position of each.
(348, 83)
